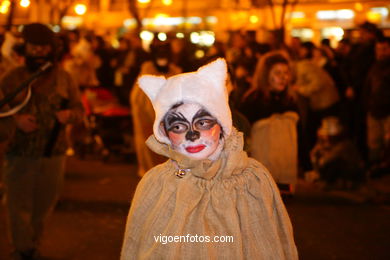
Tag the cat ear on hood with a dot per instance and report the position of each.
(151, 85)
(215, 72)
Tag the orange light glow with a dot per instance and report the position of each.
(358, 7)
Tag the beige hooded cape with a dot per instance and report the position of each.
(232, 196)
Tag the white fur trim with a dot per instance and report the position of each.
(206, 86)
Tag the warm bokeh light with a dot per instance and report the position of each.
(358, 7)
(333, 33)
(207, 38)
(4, 6)
(71, 22)
(80, 9)
(373, 17)
(115, 43)
(24, 3)
(195, 37)
(254, 19)
(303, 33)
(162, 36)
(211, 19)
(56, 28)
(161, 19)
(335, 14)
(167, 2)
(376, 14)
(180, 35)
(204, 38)
(130, 22)
(199, 54)
(143, 1)
(146, 35)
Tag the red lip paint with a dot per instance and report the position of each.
(195, 149)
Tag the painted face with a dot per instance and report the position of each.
(279, 77)
(192, 131)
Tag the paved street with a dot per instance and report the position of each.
(89, 220)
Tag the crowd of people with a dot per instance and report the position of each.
(302, 107)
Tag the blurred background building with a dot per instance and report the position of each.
(203, 20)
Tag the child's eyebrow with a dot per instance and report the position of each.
(175, 116)
(201, 113)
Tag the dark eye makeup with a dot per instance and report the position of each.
(176, 122)
(205, 123)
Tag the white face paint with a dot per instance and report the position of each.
(192, 131)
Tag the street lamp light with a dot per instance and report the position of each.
(80, 9)
(24, 3)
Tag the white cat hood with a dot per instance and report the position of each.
(206, 86)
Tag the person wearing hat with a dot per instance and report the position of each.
(34, 158)
(208, 188)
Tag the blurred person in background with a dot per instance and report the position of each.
(117, 62)
(11, 56)
(105, 72)
(127, 73)
(378, 108)
(271, 108)
(183, 54)
(35, 155)
(142, 110)
(293, 47)
(320, 94)
(325, 59)
(362, 58)
(336, 158)
(11, 52)
(236, 49)
(83, 64)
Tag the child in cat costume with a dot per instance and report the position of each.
(208, 187)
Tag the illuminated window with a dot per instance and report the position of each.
(211, 19)
(297, 15)
(335, 14)
(381, 10)
(303, 33)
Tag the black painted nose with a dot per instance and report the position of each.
(192, 135)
